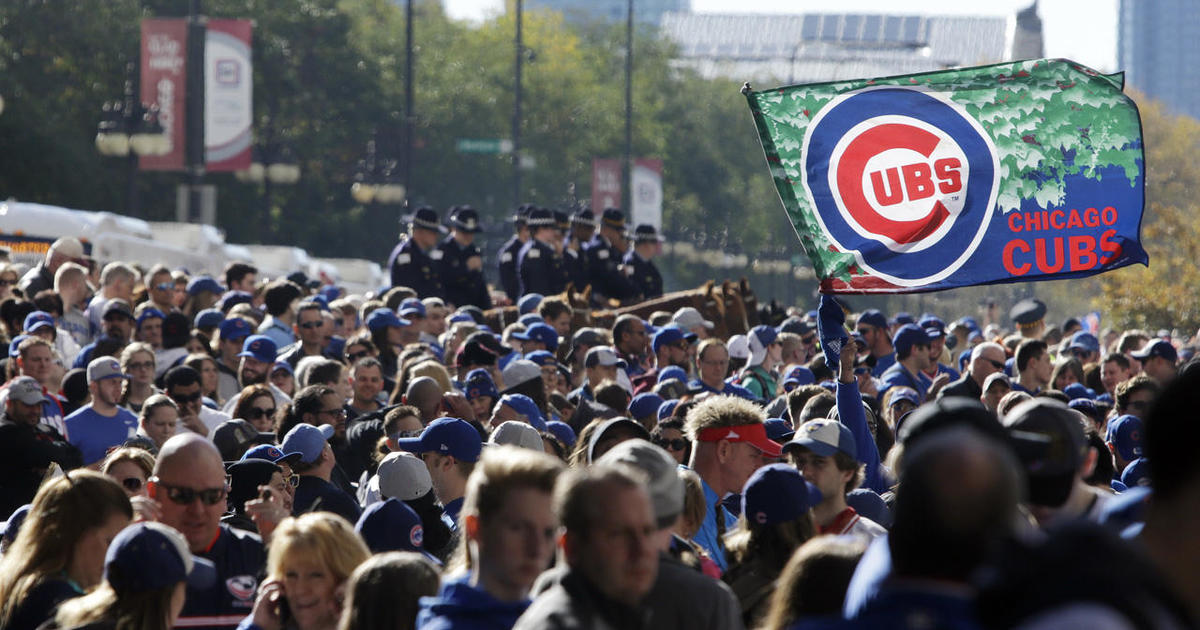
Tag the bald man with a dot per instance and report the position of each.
(425, 394)
(190, 489)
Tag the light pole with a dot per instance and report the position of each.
(375, 181)
(627, 193)
(516, 121)
(129, 129)
(409, 117)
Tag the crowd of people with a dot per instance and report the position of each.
(267, 453)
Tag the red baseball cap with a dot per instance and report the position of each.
(755, 434)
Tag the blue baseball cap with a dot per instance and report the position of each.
(150, 556)
(777, 493)
(330, 292)
(1079, 390)
(667, 408)
(1137, 473)
(39, 319)
(905, 393)
(260, 347)
(779, 430)
(1125, 434)
(446, 436)
(800, 375)
(478, 385)
(208, 318)
(199, 284)
(1085, 341)
(907, 336)
(529, 319)
(271, 453)
(392, 526)
(670, 334)
(282, 365)
(872, 317)
(1157, 348)
(147, 314)
(563, 432)
(307, 440)
(384, 317)
(525, 406)
(672, 371)
(928, 321)
(824, 437)
(412, 306)
(903, 318)
(542, 358)
(870, 505)
(15, 343)
(645, 404)
(461, 317)
(541, 332)
(235, 328)
(529, 303)
(230, 299)
(320, 300)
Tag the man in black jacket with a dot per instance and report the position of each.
(28, 447)
(986, 359)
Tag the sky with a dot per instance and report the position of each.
(1082, 30)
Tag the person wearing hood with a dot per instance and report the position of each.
(508, 535)
(766, 355)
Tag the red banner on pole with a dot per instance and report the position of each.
(164, 83)
(606, 184)
(228, 95)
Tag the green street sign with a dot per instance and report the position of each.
(484, 145)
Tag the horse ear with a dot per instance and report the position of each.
(708, 286)
(725, 285)
(587, 292)
(744, 285)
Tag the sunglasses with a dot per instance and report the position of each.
(336, 413)
(999, 365)
(255, 413)
(132, 484)
(186, 496)
(411, 433)
(358, 355)
(677, 444)
(311, 325)
(7, 283)
(165, 286)
(185, 398)
(293, 480)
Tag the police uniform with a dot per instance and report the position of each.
(510, 280)
(1028, 314)
(413, 268)
(574, 257)
(463, 280)
(541, 268)
(604, 263)
(643, 274)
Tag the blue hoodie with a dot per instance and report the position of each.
(460, 606)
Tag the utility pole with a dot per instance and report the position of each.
(516, 121)
(195, 109)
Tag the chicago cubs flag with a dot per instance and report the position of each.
(1014, 172)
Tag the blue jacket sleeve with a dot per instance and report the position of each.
(850, 411)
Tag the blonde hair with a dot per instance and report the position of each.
(433, 370)
(134, 348)
(320, 536)
(146, 610)
(139, 456)
(63, 510)
(694, 504)
(721, 411)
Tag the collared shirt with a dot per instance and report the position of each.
(728, 389)
(278, 331)
(850, 523)
(883, 363)
(708, 536)
(898, 375)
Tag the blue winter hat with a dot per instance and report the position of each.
(478, 385)
(645, 404)
(777, 493)
(150, 556)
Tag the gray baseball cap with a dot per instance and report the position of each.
(27, 390)
(102, 368)
(663, 482)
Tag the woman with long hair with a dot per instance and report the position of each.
(311, 558)
(158, 419)
(129, 466)
(146, 572)
(256, 405)
(59, 552)
(137, 360)
(206, 366)
(383, 592)
(776, 519)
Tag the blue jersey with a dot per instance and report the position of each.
(93, 434)
(239, 558)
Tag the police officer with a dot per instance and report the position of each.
(604, 255)
(541, 262)
(639, 266)
(413, 261)
(510, 280)
(461, 266)
(583, 228)
(1030, 317)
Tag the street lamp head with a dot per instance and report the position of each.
(362, 192)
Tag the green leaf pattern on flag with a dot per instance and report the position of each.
(1049, 119)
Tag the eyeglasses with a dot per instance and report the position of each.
(132, 484)
(165, 286)
(864, 331)
(185, 496)
(337, 413)
(254, 413)
(999, 365)
(311, 325)
(293, 480)
(677, 444)
(142, 365)
(358, 355)
(715, 362)
(411, 433)
(185, 398)
(7, 283)
(682, 345)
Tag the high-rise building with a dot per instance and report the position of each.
(1159, 50)
(644, 11)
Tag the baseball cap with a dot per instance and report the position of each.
(529, 319)
(446, 436)
(271, 453)
(517, 434)
(759, 338)
(149, 556)
(541, 358)
(996, 377)
(599, 434)
(1085, 341)
(234, 328)
(1137, 473)
(15, 343)
(307, 440)
(739, 347)
(384, 317)
(529, 303)
(102, 368)
(585, 337)
(663, 483)
(27, 390)
(796, 326)
(68, 246)
(672, 371)
(645, 404)
(779, 430)
(259, 347)
(870, 505)
(688, 318)
(947, 412)
(872, 317)
(403, 476)
(117, 306)
(668, 335)
(903, 318)
(282, 365)
(392, 526)
(540, 332)
(667, 408)
(199, 284)
(520, 371)
(525, 406)
(907, 336)
(230, 299)
(824, 437)
(12, 526)
(754, 434)
(1157, 348)
(777, 493)
(1079, 390)
(480, 383)
(563, 432)
(412, 306)
(602, 356)
(1052, 447)
(489, 341)
(37, 320)
(233, 436)
(1125, 434)
(800, 375)
(904, 393)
